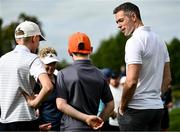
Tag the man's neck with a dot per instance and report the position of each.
(138, 24)
(80, 57)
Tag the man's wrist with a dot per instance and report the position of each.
(120, 111)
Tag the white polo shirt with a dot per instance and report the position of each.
(117, 94)
(146, 48)
(19, 69)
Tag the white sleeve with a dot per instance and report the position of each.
(167, 59)
(133, 52)
(37, 68)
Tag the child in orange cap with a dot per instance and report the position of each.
(80, 88)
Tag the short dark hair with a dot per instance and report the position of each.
(128, 7)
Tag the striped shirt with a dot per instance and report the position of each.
(18, 71)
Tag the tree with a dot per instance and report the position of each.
(174, 48)
(62, 64)
(110, 53)
(7, 42)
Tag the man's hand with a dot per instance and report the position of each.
(113, 114)
(30, 100)
(45, 127)
(121, 111)
(169, 105)
(94, 122)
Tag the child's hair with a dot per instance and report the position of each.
(47, 50)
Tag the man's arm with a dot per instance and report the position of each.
(166, 77)
(47, 87)
(108, 109)
(93, 121)
(130, 84)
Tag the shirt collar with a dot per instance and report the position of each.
(21, 48)
(82, 61)
(145, 28)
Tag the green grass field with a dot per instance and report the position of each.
(175, 120)
(175, 113)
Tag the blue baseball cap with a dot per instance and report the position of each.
(107, 72)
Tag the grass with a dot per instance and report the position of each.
(175, 120)
(175, 113)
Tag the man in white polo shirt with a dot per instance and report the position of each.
(18, 71)
(148, 72)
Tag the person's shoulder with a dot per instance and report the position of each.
(30, 56)
(98, 70)
(33, 54)
(132, 42)
(2, 57)
(65, 70)
(33, 58)
(6, 54)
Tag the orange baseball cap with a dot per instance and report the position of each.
(79, 43)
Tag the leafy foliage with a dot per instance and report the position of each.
(7, 42)
(62, 64)
(174, 48)
(110, 53)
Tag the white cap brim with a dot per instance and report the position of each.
(42, 38)
(50, 58)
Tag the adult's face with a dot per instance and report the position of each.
(125, 22)
(35, 43)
